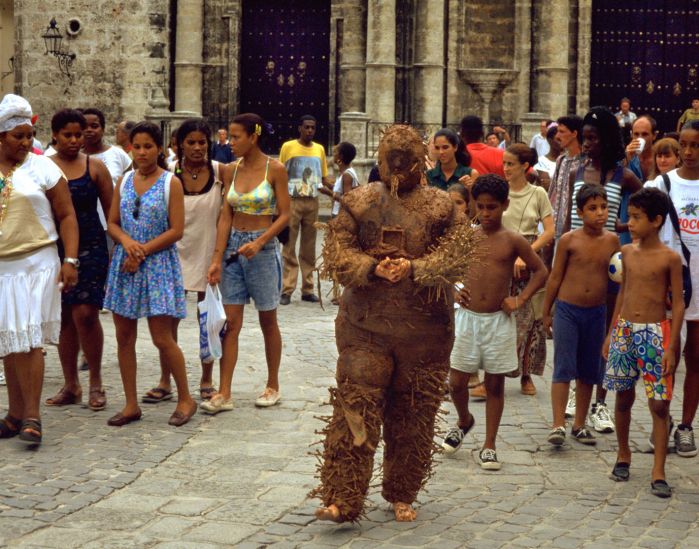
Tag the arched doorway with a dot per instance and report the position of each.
(285, 64)
(645, 50)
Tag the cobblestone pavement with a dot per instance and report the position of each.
(241, 478)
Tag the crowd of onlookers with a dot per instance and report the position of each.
(132, 227)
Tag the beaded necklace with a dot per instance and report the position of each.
(5, 193)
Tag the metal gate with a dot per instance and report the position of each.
(285, 64)
(648, 51)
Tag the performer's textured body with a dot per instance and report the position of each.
(394, 337)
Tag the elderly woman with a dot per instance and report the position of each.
(32, 191)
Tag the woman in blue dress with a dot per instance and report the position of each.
(145, 278)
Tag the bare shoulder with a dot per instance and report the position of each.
(275, 167)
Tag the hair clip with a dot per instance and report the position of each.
(258, 129)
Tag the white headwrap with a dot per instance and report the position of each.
(14, 111)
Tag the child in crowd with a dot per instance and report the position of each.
(460, 197)
(343, 154)
(578, 285)
(486, 333)
(642, 341)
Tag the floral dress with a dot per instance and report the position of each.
(156, 288)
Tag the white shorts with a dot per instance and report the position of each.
(486, 341)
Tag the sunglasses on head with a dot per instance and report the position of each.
(136, 207)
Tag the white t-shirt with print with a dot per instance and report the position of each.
(684, 194)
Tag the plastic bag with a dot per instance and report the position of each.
(212, 319)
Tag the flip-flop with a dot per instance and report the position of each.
(620, 473)
(207, 392)
(156, 394)
(660, 488)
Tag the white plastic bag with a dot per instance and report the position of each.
(213, 317)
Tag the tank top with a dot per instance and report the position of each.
(613, 188)
(259, 201)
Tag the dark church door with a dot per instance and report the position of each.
(648, 51)
(285, 65)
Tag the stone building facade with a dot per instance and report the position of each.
(424, 61)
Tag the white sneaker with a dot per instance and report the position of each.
(570, 406)
(601, 419)
(217, 404)
(269, 397)
(2, 377)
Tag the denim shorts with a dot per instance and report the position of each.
(259, 278)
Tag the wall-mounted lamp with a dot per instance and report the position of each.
(52, 40)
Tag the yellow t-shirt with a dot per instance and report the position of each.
(306, 167)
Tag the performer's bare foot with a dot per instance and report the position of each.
(331, 512)
(404, 512)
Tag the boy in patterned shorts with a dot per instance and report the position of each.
(643, 342)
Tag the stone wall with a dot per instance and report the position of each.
(122, 53)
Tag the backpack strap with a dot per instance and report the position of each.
(672, 213)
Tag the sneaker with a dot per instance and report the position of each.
(570, 406)
(311, 298)
(669, 435)
(217, 404)
(2, 378)
(285, 299)
(453, 440)
(269, 397)
(583, 436)
(84, 367)
(557, 436)
(684, 442)
(601, 419)
(489, 460)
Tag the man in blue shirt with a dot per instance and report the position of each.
(222, 151)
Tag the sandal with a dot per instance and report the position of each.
(98, 399)
(157, 394)
(65, 398)
(207, 392)
(9, 426)
(620, 473)
(30, 431)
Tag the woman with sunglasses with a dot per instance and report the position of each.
(145, 279)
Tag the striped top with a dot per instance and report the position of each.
(613, 188)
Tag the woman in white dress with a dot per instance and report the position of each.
(32, 191)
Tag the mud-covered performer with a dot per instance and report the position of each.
(397, 247)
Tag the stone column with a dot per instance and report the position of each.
(552, 69)
(354, 128)
(582, 99)
(381, 60)
(189, 47)
(351, 55)
(428, 68)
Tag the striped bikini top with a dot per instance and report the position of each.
(613, 188)
(259, 201)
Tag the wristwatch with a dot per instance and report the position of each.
(74, 261)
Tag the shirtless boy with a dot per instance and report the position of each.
(578, 285)
(488, 330)
(643, 341)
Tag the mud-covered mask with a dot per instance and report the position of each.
(401, 158)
